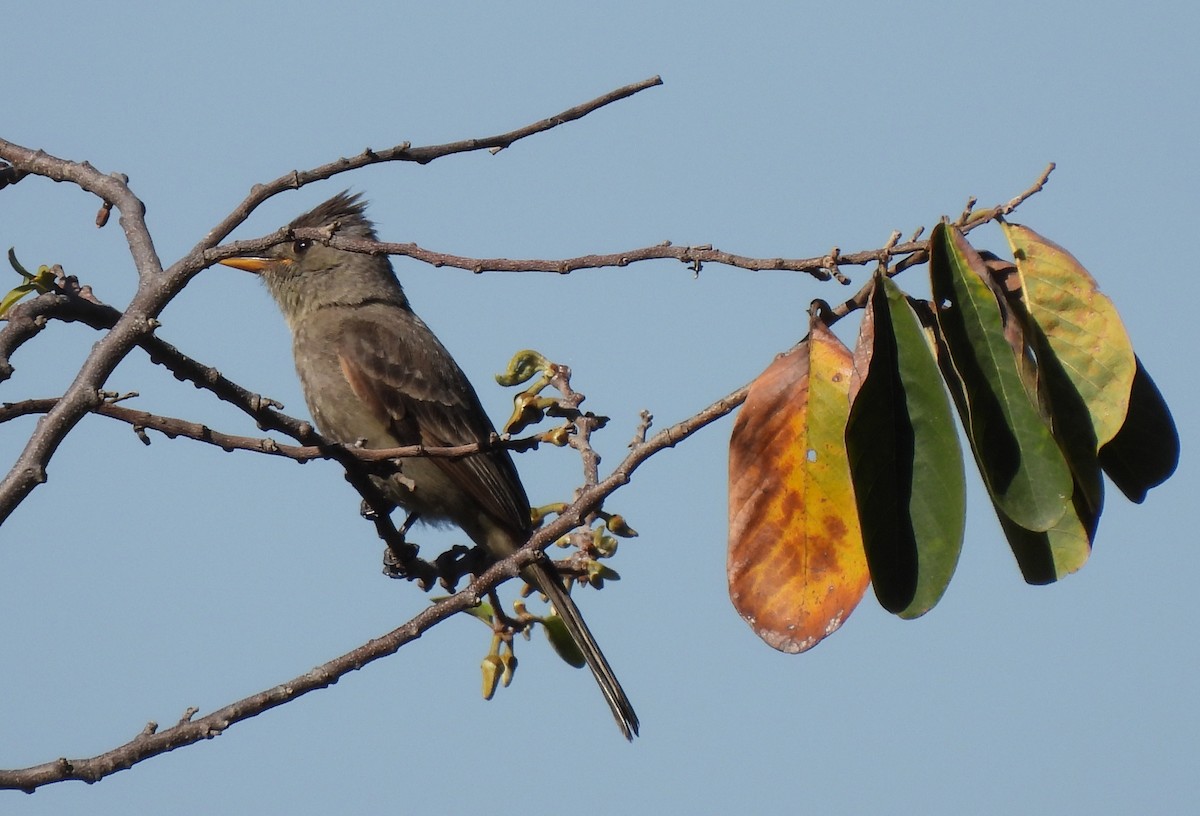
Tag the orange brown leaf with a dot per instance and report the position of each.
(796, 563)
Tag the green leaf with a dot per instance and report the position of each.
(15, 264)
(1043, 556)
(1145, 452)
(905, 458)
(14, 295)
(1069, 543)
(1022, 467)
(564, 645)
(1076, 438)
(41, 282)
(1046, 556)
(1049, 555)
(482, 610)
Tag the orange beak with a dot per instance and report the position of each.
(248, 264)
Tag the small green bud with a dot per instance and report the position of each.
(538, 514)
(508, 661)
(527, 411)
(604, 545)
(559, 437)
(617, 525)
(598, 573)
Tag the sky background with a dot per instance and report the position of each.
(142, 580)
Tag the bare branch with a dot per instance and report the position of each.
(152, 742)
(171, 427)
(694, 256)
(823, 267)
(406, 152)
(25, 319)
(970, 220)
(157, 288)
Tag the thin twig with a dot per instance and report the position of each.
(173, 427)
(823, 267)
(406, 152)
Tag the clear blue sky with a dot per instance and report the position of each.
(140, 581)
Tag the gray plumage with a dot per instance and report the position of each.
(371, 370)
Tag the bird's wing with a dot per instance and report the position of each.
(424, 397)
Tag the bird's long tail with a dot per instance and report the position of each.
(549, 584)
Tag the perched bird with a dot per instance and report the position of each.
(373, 372)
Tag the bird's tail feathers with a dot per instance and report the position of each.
(547, 581)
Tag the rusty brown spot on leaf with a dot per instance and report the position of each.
(796, 563)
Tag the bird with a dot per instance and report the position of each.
(374, 374)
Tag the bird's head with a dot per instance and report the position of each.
(305, 274)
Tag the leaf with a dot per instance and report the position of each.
(1046, 556)
(796, 564)
(905, 458)
(1145, 452)
(562, 642)
(1068, 544)
(1080, 324)
(14, 295)
(1043, 556)
(1065, 406)
(41, 282)
(481, 611)
(1022, 467)
(17, 265)
(523, 366)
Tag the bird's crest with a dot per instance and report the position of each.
(346, 210)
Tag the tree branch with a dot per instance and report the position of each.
(172, 427)
(823, 267)
(156, 287)
(135, 327)
(152, 742)
(406, 152)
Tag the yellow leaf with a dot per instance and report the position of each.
(1081, 325)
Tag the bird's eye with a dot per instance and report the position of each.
(300, 245)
